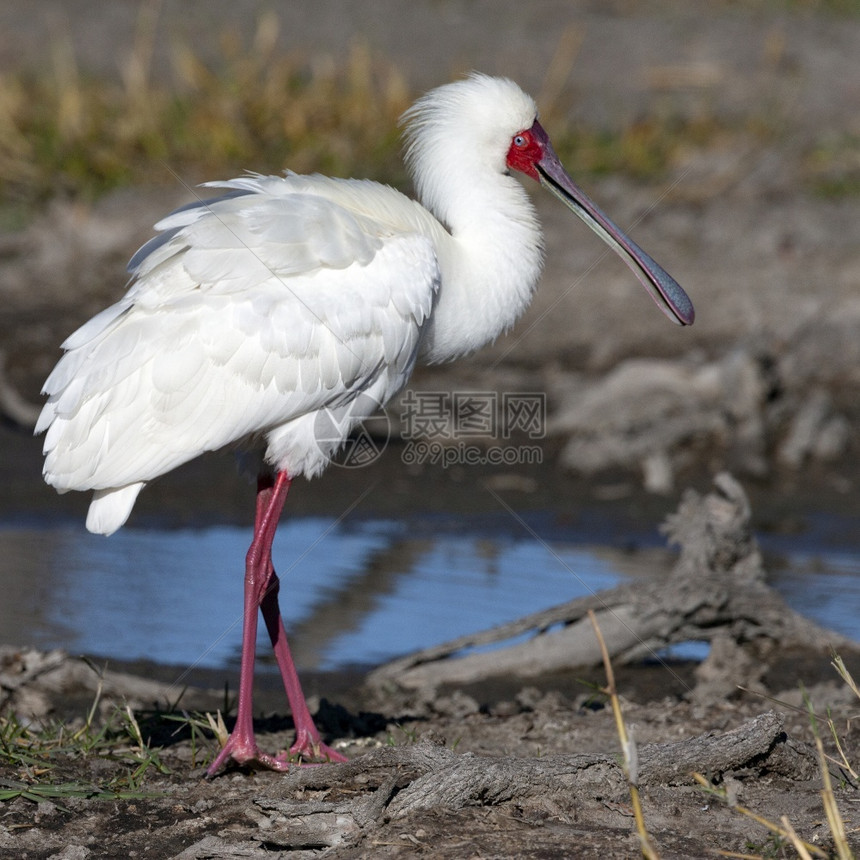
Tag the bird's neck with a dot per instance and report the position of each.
(490, 258)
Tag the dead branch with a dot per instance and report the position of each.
(716, 592)
(396, 783)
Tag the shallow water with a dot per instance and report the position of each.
(353, 593)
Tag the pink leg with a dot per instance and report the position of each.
(308, 744)
(261, 592)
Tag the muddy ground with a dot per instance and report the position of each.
(558, 730)
(764, 384)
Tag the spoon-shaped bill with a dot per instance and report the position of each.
(664, 289)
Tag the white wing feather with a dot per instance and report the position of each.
(249, 313)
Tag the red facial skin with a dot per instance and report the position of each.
(531, 153)
(528, 147)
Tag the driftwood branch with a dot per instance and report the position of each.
(395, 784)
(716, 592)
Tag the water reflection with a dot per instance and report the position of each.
(823, 586)
(354, 593)
(360, 593)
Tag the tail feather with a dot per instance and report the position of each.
(110, 508)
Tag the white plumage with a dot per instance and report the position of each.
(252, 312)
(240, 322)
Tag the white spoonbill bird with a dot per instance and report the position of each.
(254, 312)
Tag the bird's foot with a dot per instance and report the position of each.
(309, 749)
(243, 751)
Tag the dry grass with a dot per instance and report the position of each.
(64, 132)
(833, 165)
(782, 833)
(630, 758)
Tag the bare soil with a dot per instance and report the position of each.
(512, 766)
(494, 770)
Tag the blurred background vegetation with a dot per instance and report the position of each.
(66, 132)
(70, 133)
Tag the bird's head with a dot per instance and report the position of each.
(490, 124)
